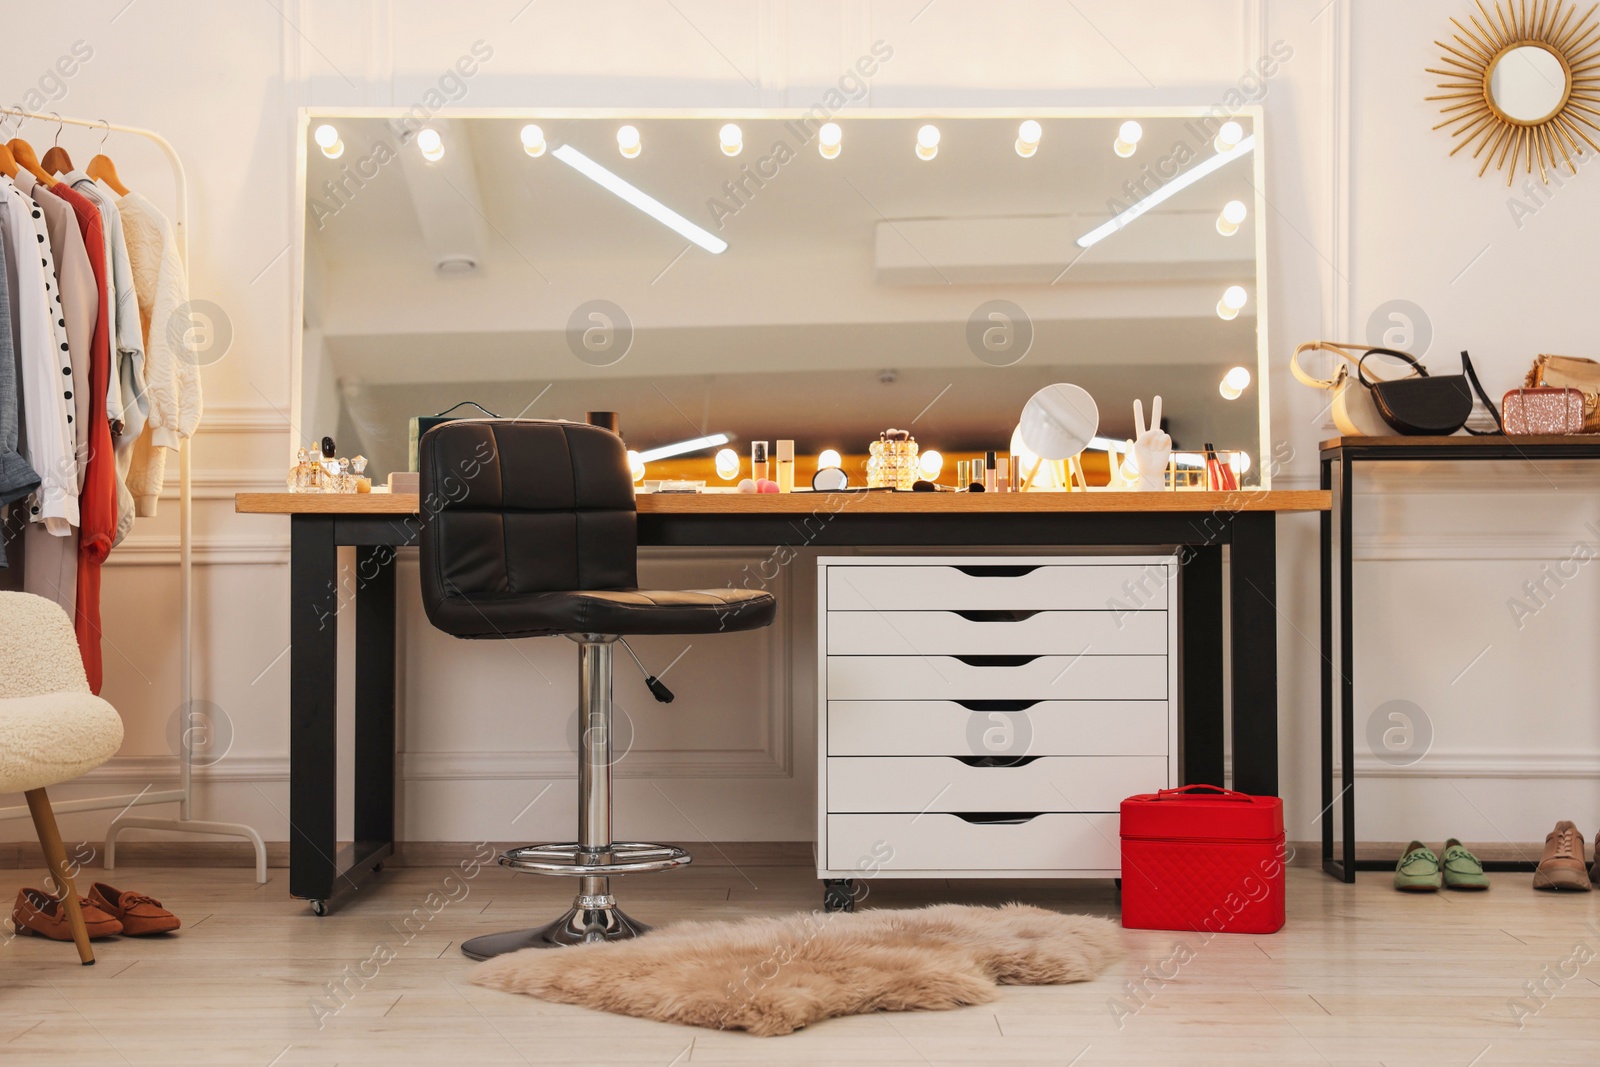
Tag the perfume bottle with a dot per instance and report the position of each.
(785, 466)
(358, 472)
(758, 461)
(302, 476)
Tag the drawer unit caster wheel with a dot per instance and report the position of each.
(377, 868)
(837, 895)
(1118, 883)
(319, 908)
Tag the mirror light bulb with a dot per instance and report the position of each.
(727, 464)
(628, 142)
(927, 142)
(931, 463)
(829, 139)
(829, 457)
(1128, 136)
(636, 465)
(1028, 135)
(1234, 383)
(1233, 299)
(1228, 136)
(731, 139)
(533, 140)
(1244, 463)
(430, 144)
(1233, 213)
(326, 136)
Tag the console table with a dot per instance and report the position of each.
(1339, 459)
(1197, 524)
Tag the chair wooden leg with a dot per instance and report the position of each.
(55, 853)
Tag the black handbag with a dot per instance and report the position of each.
(1427, 405)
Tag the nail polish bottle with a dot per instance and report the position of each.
(785, 466)
(758, 460)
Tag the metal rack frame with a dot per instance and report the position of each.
(183, 795)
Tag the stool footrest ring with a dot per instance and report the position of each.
(620, 857)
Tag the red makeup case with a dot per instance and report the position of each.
(1204, 859)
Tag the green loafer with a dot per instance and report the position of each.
(1418, 870)
(1462, 870)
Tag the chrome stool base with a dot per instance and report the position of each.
(580, 925)
(620, 857)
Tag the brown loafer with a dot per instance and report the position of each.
(139, 914)
(1562, 866)
(37, 912)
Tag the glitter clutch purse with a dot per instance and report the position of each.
(1547, 411)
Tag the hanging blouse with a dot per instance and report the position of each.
(80, 300)
(173, 377)
(45, 365)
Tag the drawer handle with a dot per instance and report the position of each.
(996, 705)
(996, 616)
(996, 570)
(997, 661)
(996, 818)
(996, 761)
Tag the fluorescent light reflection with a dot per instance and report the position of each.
(639, 199)
(1166, 192)
(650, 455)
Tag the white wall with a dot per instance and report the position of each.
(1367, 209)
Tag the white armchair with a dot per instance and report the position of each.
(52, 729)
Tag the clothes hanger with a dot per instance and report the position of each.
(8, 162)
(56, 160)
(22, 152)
(101, 167)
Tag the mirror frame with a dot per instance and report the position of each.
(308, 117)
(1469, 104)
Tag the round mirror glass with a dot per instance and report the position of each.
(1058, 421)
(1528, 83)
(830, 480)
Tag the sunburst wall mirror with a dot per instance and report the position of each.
(1524, 85)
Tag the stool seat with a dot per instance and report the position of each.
(625, 612)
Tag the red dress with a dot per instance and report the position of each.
(97, 503)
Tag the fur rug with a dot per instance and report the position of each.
(774, 975)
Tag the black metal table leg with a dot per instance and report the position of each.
(1343, 499)
(375, 698)
(1200, 635)
(1253, 631)
(1326, 816)
(313, 711)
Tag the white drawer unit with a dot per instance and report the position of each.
(985, 716)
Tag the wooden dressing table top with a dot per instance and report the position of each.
(856, 503)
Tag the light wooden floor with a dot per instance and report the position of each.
(1361, 975)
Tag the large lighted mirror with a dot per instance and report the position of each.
(781, 275)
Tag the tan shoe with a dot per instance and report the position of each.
(37, 912)
(139, 914)
(1562, 866)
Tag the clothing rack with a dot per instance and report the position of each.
(183, 796)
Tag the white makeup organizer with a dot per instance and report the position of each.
(183, 795)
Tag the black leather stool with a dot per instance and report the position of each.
(529, 531)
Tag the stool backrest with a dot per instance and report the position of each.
(524, 506)
(38, 650)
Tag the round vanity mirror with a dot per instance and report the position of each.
(1058, 421)
(830, 480)
(1529, 84)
